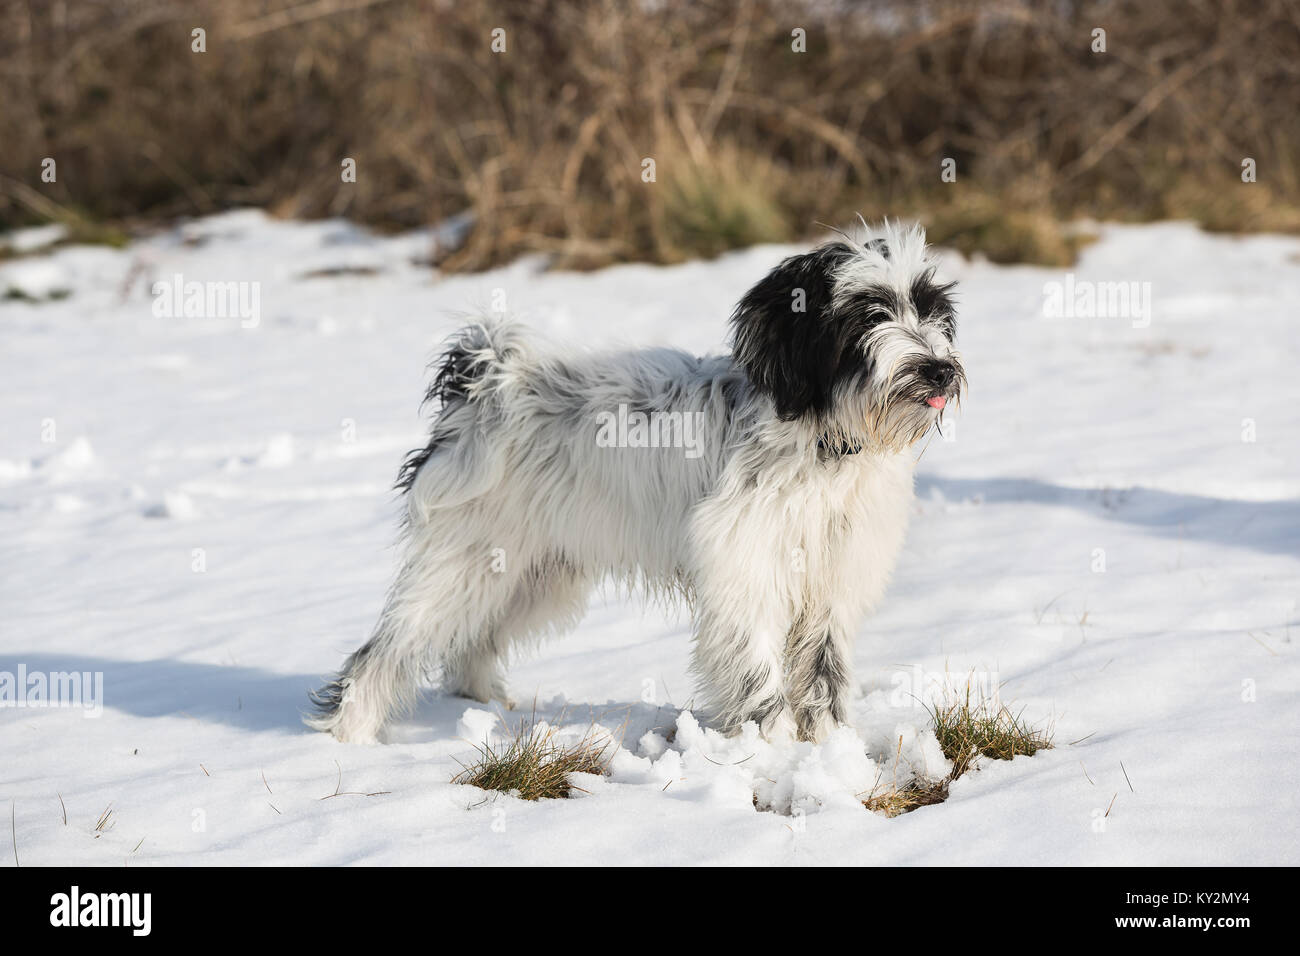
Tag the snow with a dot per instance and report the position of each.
(33, 238)
(200, 511)
(34, 278)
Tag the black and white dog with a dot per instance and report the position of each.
(779, 529)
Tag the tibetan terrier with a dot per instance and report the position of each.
(769, 489)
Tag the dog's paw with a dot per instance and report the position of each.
(481, 693)
(501, 694)
(343, 730)
(779, 728)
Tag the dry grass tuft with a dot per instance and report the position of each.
(967, 727)
(1005, 232)
(533, 765)
(899, 800)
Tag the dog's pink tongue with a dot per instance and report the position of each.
(937, 401)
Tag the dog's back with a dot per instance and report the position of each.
(603, 451)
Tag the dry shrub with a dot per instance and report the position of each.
(752, 140)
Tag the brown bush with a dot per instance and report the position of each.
(752, 141)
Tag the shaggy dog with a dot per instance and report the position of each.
(769, 489)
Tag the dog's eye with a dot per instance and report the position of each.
(871, 307)
(932, 301)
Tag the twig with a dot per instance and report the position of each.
(1047, 607)
(727, 81)
(1251, 635)
(356, 793)
(1126, 779)
(736, 764)
(1144, 108)
(349, 793)
(295, 15)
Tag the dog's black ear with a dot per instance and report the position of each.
(783, 335)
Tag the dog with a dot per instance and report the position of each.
(778, 520)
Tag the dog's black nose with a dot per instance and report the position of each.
(938, 373)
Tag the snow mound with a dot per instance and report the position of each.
(476, 726)
(77, 458)
(174, 504)
(33, 238)
(278, 452)
(787, 777)
(14, 470)
(37, 280)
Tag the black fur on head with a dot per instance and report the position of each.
(800, 340)
(785, 338)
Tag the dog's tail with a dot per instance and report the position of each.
(472, 374)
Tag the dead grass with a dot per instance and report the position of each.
(1002, 229)
(967, 727)
(724, 202)
(895, 801)
(970, 727)
(533, 765)
(543, 143)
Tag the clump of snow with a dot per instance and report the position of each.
(14, 470)
(278, 452)
(31, 238)
(66, 504)
(70, 461)
(35, 279)
(174, 504)
(476, 726)
(785, 777)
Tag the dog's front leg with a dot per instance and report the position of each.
(738, 660)
(818, 662)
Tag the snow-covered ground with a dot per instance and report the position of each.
(199, 509)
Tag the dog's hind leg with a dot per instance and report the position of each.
(376, 680)
(550, 596)
(442, 596)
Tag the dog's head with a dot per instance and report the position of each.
(855, 337)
